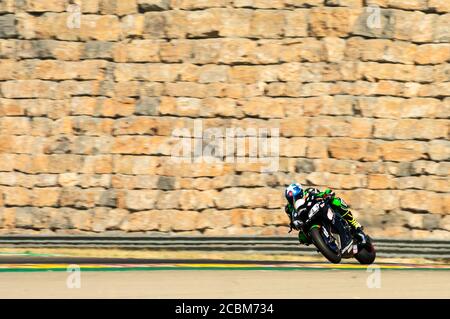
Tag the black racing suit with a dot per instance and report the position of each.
(338, 205)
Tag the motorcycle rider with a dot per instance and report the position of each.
(294, 194)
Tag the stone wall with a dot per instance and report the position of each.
(90, 96)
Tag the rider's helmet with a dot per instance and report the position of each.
(294, 194)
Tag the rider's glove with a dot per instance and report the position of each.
(297, 224)
(330, 194)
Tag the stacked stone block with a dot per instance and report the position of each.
(91, 92)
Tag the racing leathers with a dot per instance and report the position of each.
(337, 204)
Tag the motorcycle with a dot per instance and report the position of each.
(330, 233)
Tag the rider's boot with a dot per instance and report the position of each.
(302, 238)
(357, 229)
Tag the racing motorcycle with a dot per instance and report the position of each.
(330, 233)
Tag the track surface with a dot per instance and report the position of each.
(40, 276)
(33, 262)
(227, 284)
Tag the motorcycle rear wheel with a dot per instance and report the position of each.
(366, 255)
(323, 247)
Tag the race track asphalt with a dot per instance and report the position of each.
(48, 277)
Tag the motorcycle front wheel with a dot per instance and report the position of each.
(319, 242)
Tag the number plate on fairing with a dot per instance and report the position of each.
(330, 214)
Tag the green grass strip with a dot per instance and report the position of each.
(206, 268)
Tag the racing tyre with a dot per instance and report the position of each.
(319, 242)
(367, 254)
